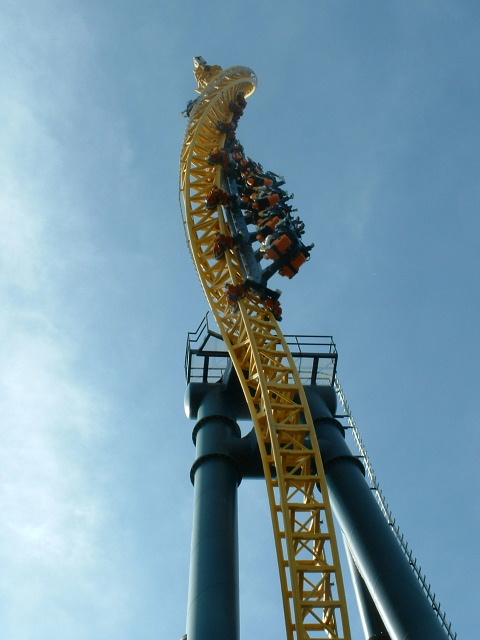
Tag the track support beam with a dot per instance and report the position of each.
(213, 602)
(395, 590)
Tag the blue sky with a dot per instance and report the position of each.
(371, 112)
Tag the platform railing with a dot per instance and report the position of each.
(206, 357)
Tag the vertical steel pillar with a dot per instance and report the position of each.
(372, 623)
(396, 592)
(213, 600)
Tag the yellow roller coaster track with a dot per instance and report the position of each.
(310, 575)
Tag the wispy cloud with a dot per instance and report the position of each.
(51, 418)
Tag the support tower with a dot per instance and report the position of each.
(297, 443)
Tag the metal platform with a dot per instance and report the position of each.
(206, 356)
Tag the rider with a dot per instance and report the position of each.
(215, 197)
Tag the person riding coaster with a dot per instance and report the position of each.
(220, 156)
(215, 197)
(266, 202)
(266, 227)
(222, 243)
(270, 298)
(258, 197)
(285, 248)
(228, 128)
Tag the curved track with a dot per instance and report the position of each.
(308, 559)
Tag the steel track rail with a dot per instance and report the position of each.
(309, 565)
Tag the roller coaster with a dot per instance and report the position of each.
(242, 231)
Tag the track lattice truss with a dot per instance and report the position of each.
(310, 575)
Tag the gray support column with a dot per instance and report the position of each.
(372, 623)
(395, 590)
(213, 601)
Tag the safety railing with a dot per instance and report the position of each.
(206, 356)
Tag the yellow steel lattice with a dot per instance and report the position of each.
(308, 559)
